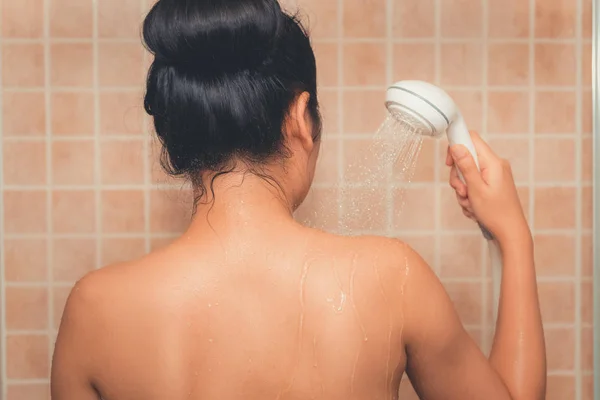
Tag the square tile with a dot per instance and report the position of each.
(364, 18)
(24, 163)
(462, 64)
(555, 64)
(327, 63)
(363, 110)
(508, 112)
(554, 208)
(413, 18)
(120, 64)
(508, 18)
(25, 260)
(508, 64)
(414, 61)
(26, 308)
(322, 18)
(25, 211)
(555, 255)
(122, 162)
(555, 112)
(73, 211)
(22, 19)
(73, 259)
(170, 211)
(72, 114)
(27, 357)
(555, 160)
(17, 105)
(555, 18)
(23, 65)
(73, 162)
(71, 65)
(120, 18)
(364, 64)
(71, 18)
(461, 18)
(121, 250)
(122, 113)
(123, 211)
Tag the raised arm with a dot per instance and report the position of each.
(443, 362)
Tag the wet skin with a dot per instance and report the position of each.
(256, 306)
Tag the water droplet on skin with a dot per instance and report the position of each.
(210, 340)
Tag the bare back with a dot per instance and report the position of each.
(286, 313)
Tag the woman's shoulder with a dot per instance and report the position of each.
(378, 249)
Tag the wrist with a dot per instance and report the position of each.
(518, 239)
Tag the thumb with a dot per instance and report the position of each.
(466, 165)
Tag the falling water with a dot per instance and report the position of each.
(390, 161)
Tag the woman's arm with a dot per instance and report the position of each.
(443, 362)
(518, 352)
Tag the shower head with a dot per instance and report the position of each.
(429, 110)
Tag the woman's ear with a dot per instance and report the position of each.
(299, 124)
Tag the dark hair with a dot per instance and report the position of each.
(224, 76)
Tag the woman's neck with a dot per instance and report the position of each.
(241, 199)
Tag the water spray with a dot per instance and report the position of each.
(430, 111)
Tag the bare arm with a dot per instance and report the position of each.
(70, 379)
(443, 363)
(518, 352)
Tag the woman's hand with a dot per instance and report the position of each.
(489, 195)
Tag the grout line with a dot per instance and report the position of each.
(433, 39)
(578, 205)
(532, 134)
(97, 144)
(148, 162)
(76, 188)
(474, 231)
(3, 374)
(436, 162)
(49, 201)
(447, 279)
(340, 109)
(73, 89)
(339, 86)
(330, 136)
(596, 191)
(389, 80)
(78, 138)
(484, 244)
(28, 381)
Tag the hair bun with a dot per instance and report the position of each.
(213, 36)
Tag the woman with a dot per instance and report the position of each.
(249, 304)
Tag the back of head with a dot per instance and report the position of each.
(224, 76)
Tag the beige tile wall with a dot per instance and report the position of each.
(81, 188)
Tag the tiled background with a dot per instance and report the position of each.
(81, 188)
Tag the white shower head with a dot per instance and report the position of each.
(429, 110)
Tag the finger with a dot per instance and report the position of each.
(484, 151)
(456, 183)
(467, 166)
(469, 215)
(464, 203)
(449, 160)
